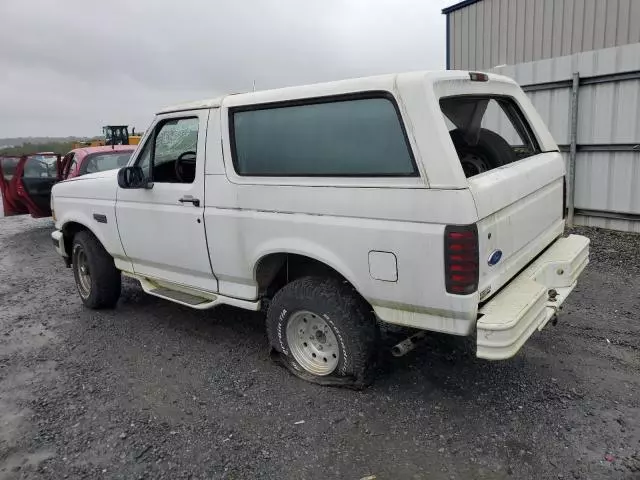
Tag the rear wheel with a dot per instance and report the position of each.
(97, 278)
(324, 331)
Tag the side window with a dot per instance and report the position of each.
(69, 164)
(74, 164)
(356, 137)
(40, 166)
(144, 159)
(169, 156)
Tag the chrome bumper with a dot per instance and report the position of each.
(58, 243)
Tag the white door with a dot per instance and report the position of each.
(162, 226)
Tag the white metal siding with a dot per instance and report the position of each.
(608, 113)
(497, 32)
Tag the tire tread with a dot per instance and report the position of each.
(350, 314)
(106, 281)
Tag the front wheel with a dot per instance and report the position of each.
(97, 279)
(324, 331)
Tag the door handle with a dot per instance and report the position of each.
(190, 199)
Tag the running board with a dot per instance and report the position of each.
(189, 297)
(179, 297)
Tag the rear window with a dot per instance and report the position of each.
(40, 166)
(99, 162)
(355, 137)
(487, 132)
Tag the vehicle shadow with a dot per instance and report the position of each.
(441, 370)
(233, 321)
(439, 366)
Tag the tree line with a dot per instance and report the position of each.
(26, 148)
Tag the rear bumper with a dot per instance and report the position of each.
(525, 304)
(58, 243)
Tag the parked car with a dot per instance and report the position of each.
(81, 161)
(26, 182)
(428, 200)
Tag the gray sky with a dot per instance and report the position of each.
(70, 66)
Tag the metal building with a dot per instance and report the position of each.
(482, 34)
(579, 62)
(591, 103)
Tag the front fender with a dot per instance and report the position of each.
(83, 221)
(106, 233)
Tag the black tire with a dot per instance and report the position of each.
(491, 148)
(346, 313)
(104, 283)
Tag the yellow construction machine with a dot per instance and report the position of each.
(113, 135)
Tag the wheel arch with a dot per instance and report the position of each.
(295, 263)
(69, 230)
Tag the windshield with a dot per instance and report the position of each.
(100, 162)
(40, 166)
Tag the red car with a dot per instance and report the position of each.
(26, 182)
(95, 159)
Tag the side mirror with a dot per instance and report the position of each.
(132, 177)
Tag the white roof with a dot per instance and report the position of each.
(198, 104)
(379, 82)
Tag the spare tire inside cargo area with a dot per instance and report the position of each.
(489, 152)
(487, 131)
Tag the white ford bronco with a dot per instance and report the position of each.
(429, 200)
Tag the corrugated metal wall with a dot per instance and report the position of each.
(607, 182)
(505, 32)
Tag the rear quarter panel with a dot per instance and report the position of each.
(339, 227)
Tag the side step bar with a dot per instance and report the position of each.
(177, 296)
(189, 297)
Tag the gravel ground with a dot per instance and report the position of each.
(155, 390)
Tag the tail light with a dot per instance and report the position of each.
(461, 259)
(564, 197)
(20, 189)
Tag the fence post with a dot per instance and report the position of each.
(573, 138)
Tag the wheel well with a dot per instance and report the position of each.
(277, 269)
(69, 230)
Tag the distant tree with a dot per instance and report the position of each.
(55, 147)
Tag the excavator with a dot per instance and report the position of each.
(113, 135)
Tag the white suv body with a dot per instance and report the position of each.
(436, 196)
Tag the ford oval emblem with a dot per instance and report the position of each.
(495, 257)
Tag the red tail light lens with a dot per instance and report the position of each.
(20, 190)
(461, 259)
(564, 197)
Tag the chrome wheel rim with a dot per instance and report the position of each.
(313, 343)
(83, 272)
